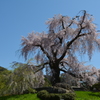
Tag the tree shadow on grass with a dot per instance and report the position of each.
(8, 97)
(96, 94)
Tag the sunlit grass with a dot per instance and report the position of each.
(86, 95)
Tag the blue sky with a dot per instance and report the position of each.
(20, 17)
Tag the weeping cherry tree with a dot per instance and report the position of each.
(58, 49)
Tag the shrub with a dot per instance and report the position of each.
(96, 86)
(61, 90)
(47, 82)
(63, 85)
(52, 89)
(29, 90)
(44, 95)
(68, 96)
(56, 90)
(54, 97)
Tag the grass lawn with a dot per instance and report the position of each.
(86, 95)
(21, 97)
(80, 95)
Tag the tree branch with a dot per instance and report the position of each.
(45, 52)
(72, 74)
(54, 52)
(69, 43)
(39, 69)
(41, 65)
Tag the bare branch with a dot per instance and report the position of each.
(69, 43)
(41, 67)
(45, 52)
(72, 74)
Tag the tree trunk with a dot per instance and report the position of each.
(55, 74)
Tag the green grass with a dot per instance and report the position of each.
(86, 95)
(80, 95)
(21, 97)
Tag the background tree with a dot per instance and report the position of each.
(4, 78)
(59, 49)
(2, 68)
(88, 77)
(22, 79)
(69, 79)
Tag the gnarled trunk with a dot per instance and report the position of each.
(55, 74)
